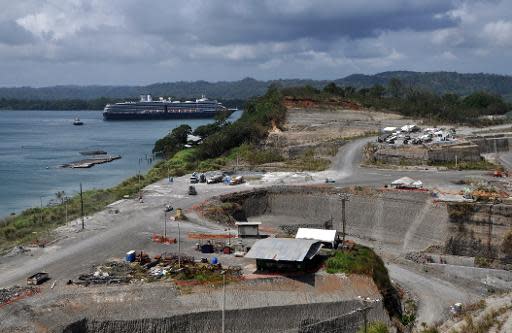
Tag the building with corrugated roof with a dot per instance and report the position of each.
(285, 254)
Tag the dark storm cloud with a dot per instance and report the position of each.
(221, 22)
(13, 34)
(131, 41)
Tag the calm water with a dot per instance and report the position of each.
(34, 143)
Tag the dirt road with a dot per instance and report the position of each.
(435, 295)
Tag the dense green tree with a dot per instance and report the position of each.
(377, 90)
(173, 142)
(205, 131)
(333, 89)
(395, 87)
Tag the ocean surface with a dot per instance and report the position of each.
(33, 144)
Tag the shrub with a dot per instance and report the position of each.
(375, 327)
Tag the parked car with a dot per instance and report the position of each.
(383, 137)
(194, 180)
(236, 180)
(192, 190)
(214, 179)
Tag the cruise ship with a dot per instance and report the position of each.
(147, 108)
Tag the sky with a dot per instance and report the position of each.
(134, 42)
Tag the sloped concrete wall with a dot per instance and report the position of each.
(403, 221)
(406, 221)
(493, 143)
(311, 318)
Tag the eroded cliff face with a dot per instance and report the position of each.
(478, 229)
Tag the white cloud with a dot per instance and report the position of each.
(499, 32)
(61, 19)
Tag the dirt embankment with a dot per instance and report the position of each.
(324, 129)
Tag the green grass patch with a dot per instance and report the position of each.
(375, 327)
(362, 260)
(254, 155)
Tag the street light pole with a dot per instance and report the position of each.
(223, 301)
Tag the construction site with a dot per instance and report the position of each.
(261, 255)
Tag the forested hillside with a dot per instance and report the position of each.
(437, 82)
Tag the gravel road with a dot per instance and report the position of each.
(434, 295)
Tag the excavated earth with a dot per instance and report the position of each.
(400, 221)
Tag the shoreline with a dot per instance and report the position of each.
(29, 172)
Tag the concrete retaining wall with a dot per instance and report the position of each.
(452, 153)
(316, 317)
(496, 143)
(405, 221)
(402, 221)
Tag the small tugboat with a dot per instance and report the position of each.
(77, 122)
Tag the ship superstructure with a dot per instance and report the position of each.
(147, 108)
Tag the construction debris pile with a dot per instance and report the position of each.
(147, 269)
(109, 273)
(10, 295)
(412, 134)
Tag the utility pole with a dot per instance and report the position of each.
(344, 199)
(179, 245)
(138, 174)
(66, 205)
(82, 207)
(41, 210)
(489, 233)
(223, 301)
(364, 311)
(165, 224)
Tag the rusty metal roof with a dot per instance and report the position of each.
(285, 249)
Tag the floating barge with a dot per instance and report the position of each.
(90, 162)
